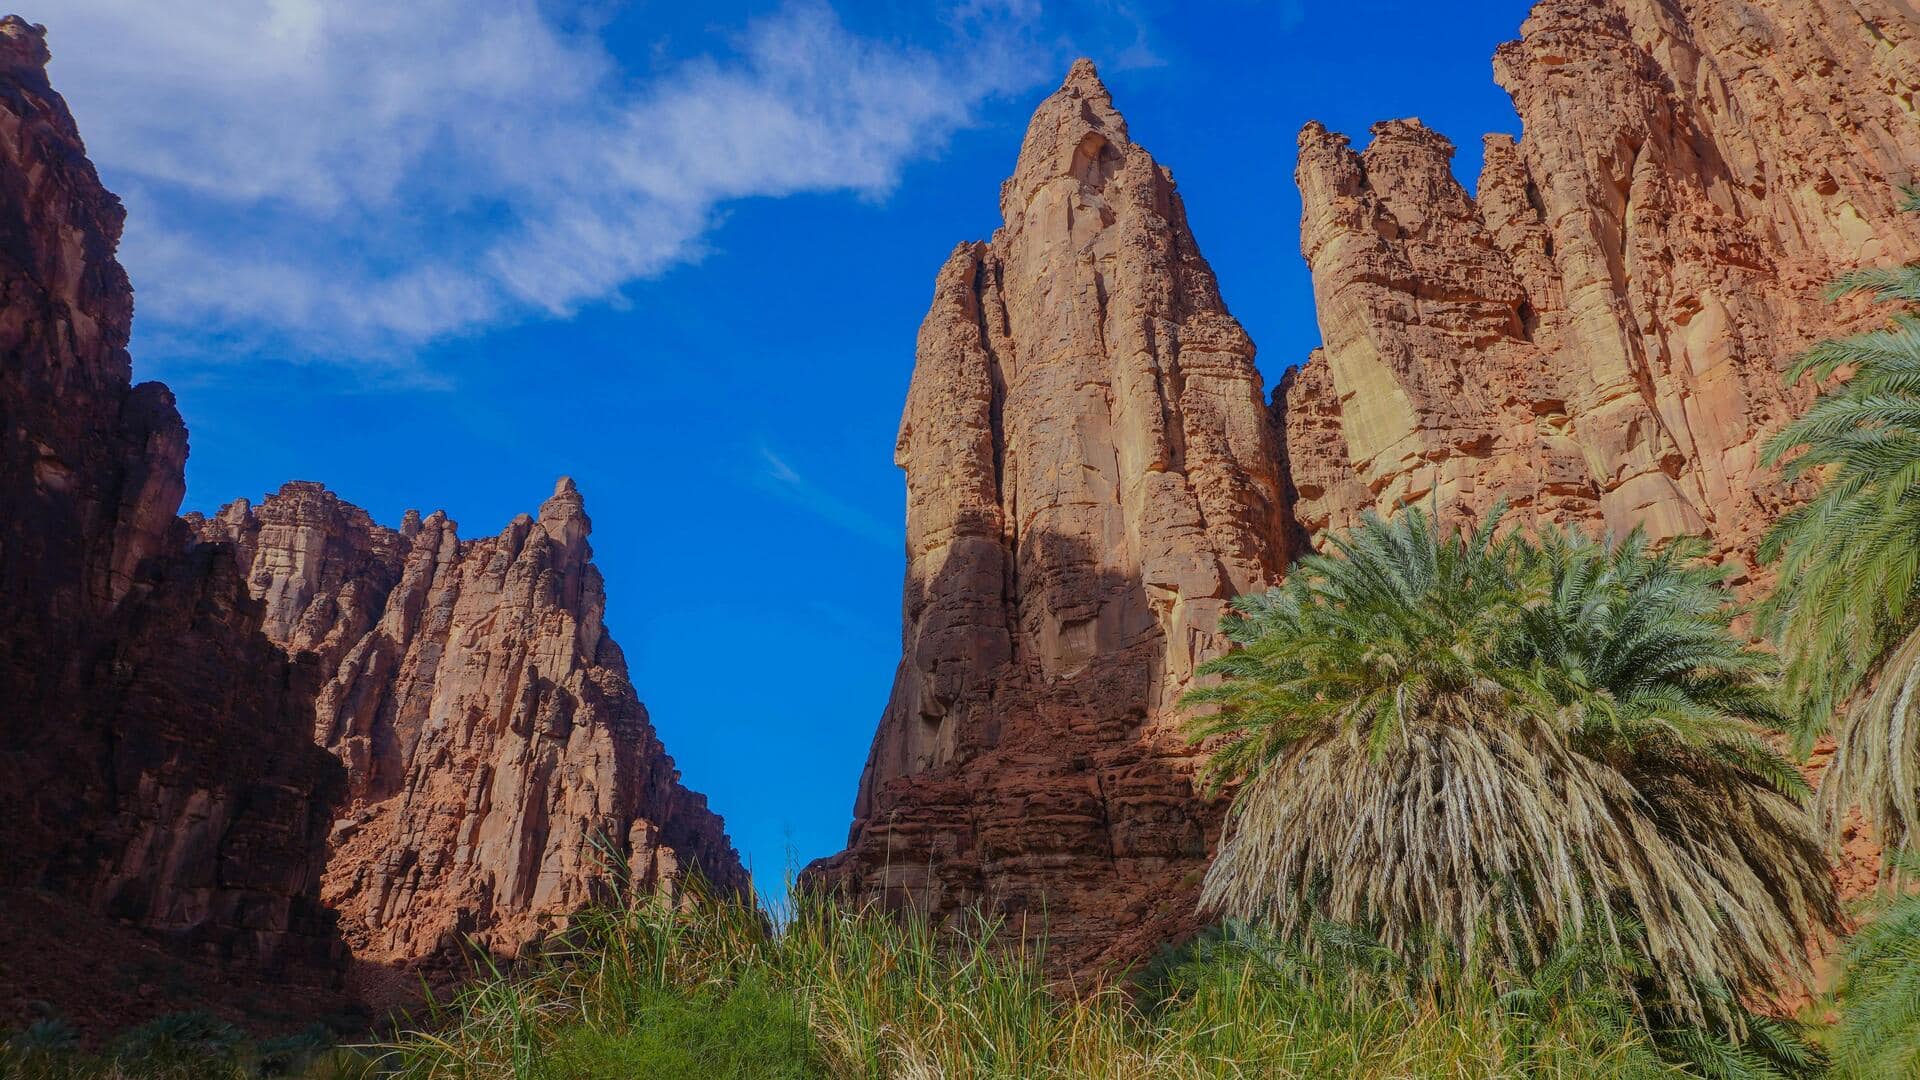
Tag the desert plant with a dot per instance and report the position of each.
(184, 1044)
(1879, 1032)
(1486, 746)
(891, 996)
(1847, 562)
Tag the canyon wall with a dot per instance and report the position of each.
(156, 764)
(286, 736)
(496, 755)
(1596, 336)
(1091, 475)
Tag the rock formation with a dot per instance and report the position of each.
(1599, 335)
(165, 733)
(495, 752)
(1091, 475)
(155, 764)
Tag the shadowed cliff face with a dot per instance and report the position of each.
(495, 751)
(1091, 475)
(168, 714)
(155, 764)
(1599, 335)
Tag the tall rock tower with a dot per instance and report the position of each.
(1091, 475)
(1597, 337)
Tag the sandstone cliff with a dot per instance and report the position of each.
(495, 751)
(1596, 337)
(1599, 334)
(165, 732)
(1091, 475)
(155, 762)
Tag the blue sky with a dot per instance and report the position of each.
(437, 254)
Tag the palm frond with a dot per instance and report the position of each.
(1848, 562)
(1493, 745)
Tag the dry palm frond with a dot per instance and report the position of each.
(1498, 834)
(1495, 745)
(1876, 761)
(1847, 605)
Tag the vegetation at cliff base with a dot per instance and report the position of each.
(714, 990)
(1483, 746)
(1846, 614)
(1847, 607)
(887, 996)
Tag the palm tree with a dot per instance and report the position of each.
(1848, 561)
(1879, 1033)
(1491, 746)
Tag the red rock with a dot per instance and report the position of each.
(158, 757)
(1599, 336)
(490, 734)
(1091, 475)
(1596, 338)
(154, 759)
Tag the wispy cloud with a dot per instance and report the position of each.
(351, 178)
(781, 480)
(779, 470)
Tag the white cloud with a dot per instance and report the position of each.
(783, 481)
(357, 177)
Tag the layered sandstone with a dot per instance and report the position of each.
(1091, 476)
(1598, 336)
(500, 768)
(155, 763)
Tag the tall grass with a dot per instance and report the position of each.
(715, 990)
(839, 992)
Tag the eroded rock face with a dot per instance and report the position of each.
(165, 765)
(495, 751)
(155, 764)
(1091, 476)
(1599, 335)
(1596, 338)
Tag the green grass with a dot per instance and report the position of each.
(713, 991)
(745, 1032)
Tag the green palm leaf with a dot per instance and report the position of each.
(1491, 745)
(1848, 562)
